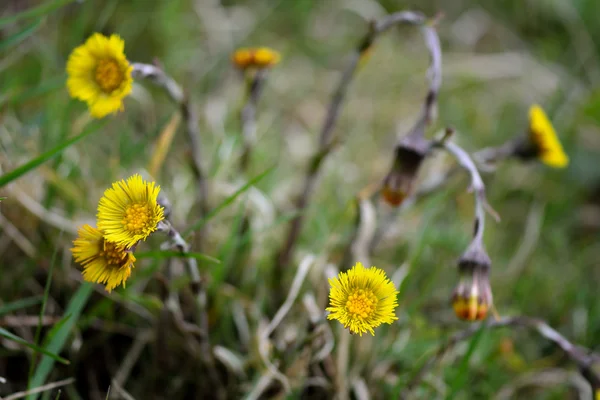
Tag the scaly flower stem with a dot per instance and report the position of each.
(477, 184)
(160, 78)
(327, 141)
(254, 87)
(199, 290)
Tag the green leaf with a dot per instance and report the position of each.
(173, 253)
(200, 223)
(56, 338)
(42, 158)
(35, 12)
(10, 336)
(19, 304)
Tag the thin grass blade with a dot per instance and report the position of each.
(10, 336)
(42, 158)
(56, 339)
(200, 223)
(39, 11)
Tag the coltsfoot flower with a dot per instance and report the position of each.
(102, 261)
(362, 299)
(260, 57)
(541, 133)
(540, 142)
(472, 298)
(99, 74)
(128, 212)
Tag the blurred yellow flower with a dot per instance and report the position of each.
(128, 212)
(103, 262)
(543, 136)
(261, 57)
(362, 299)
(99, 74)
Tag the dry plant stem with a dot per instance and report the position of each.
(177, 241)
(477, 185)
(342, 359)
(264, 342)
(199, 290)
(160, 78)
(40, 389)
(254, 88)
(584, 358)
(131, 358)
(326, 140)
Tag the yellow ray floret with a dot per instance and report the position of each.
(102, 261)
(261, 57)
(128, 212)
(362, 299)
(543, 136)
(99, 74)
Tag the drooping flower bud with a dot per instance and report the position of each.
(472, 298)
(408, 156)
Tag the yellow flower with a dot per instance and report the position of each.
(99, 74)
(102, 261)
(261, 57)
(362, 299)
(543, 136)
(128, 211)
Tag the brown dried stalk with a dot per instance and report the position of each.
(327, 139)
(199, 290)
(584, 358)
(155, 74)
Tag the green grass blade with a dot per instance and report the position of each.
(56, 338)
(42, 158)
(461, 377)
(10, 336)
(20, 36)
(172, 253)
(19, 304)
(38, 330)
(39, 11)
(200, 223)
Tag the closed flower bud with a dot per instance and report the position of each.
(399, 182)
(472, 298)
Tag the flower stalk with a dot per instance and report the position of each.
(327, 140)
(157, 76)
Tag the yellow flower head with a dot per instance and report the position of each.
(128, 211)
(99, 74)
(102, 261)
(543, 136)
(362, 299)
(261, 57)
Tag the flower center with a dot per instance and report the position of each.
(136, 218)
(108, 75)
(361, 303)
(114, 256)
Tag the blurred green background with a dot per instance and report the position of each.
(498, 58)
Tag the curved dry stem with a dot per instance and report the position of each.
(327, 139)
